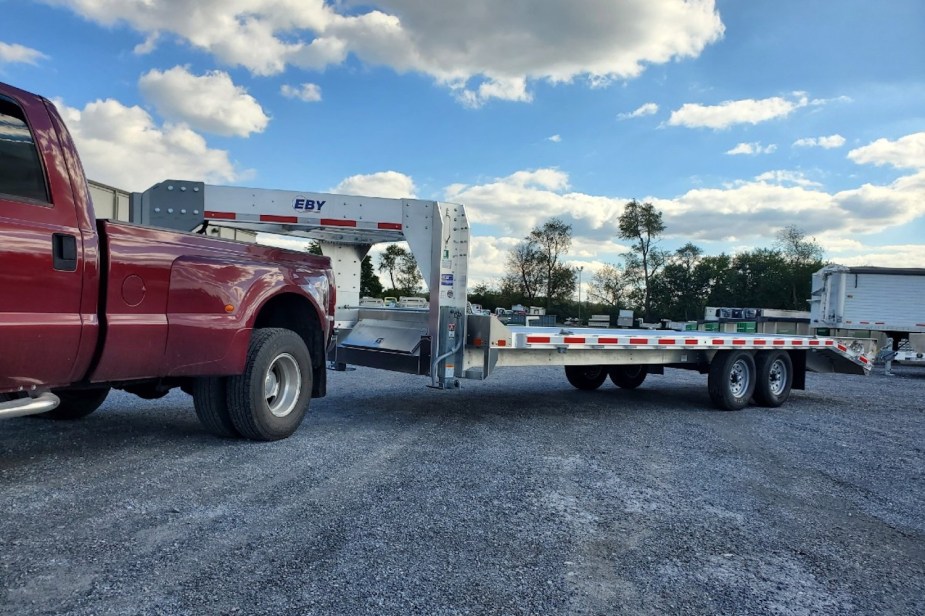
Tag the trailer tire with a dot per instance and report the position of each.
(77, 403)
(628, 377)
(586, 377)
(774, 378)
(732, 379)
(268, 401)
(210, 399)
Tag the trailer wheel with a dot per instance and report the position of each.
(210, 398)
(586, 377)
(268, 401)
(628, 377)
(774, 372)
(732, 379)
(77, 403)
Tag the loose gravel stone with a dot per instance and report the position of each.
(516, 495)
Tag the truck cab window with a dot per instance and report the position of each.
(21, 174)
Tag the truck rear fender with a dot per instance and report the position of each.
(214, 303)
(300, 314)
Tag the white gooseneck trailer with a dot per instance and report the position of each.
(444, 342)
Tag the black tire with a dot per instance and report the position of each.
(628, 377)
(732, 379)
(210, 398)
(77, 403)
(276, 359)
(586, 377)
(773, 378)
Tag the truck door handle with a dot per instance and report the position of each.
(64, 252)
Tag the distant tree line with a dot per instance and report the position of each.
(653, 282)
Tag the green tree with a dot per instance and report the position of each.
(607, 286)
(805, 257)
(389, 259)
(552, 241)
(524, 275)
(409, 277)
(641, 224)
(370, 285)
(679, 292)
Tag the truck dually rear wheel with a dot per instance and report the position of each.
(268, 401)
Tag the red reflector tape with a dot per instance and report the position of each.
(335, 222)
(759, 342)
(272, 218)
(813, 343)
(718, 341)
(738, 341)
(690, 341)
(842, 348)
(667, 341)
(220, 215)
(574, 340)
(396, 226)
(829, 342)
(779, 342)
(797, 343)
(864, 359)
(639, 341)
(537, 339)
(608, 340)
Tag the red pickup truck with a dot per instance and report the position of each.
(89, 305)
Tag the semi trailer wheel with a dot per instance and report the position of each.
(586, 377)
(210, 398)
(774, 378)
(77, 403)
(732, 379)
(268, 401)
(628, 377)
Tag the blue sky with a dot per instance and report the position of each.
(735, 118)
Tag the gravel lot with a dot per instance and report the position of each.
(517, 495)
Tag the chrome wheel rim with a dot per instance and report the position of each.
(738, 379)
(282, 384)
(777, 377)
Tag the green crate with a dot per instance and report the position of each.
(746, 327)
(712, 326)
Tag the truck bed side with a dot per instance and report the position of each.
(180, 304)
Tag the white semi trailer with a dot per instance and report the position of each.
(881, 302)
(445, 343)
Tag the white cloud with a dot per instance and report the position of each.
(797, 178)
(122, 146)
(480, 49)
(210, 102)
(832, 141)
(382, 184)
(752, 149)
(905, 153)
(308, 92)
(554, 138)
(13, 53)
(897, 255)
(643, 110)
(746, 210)
(728, 113)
